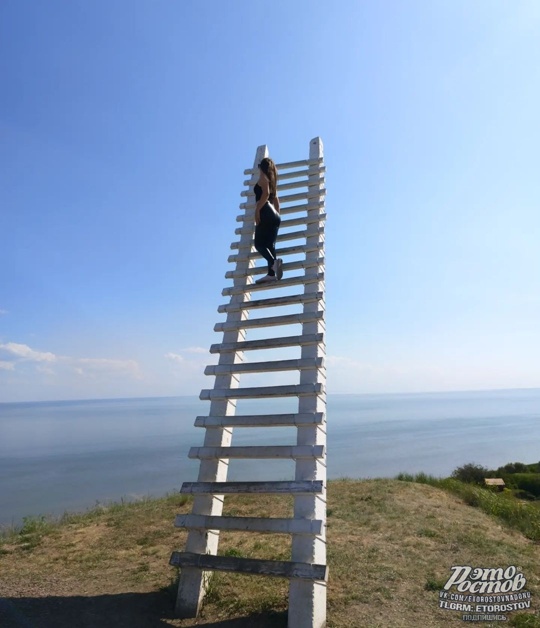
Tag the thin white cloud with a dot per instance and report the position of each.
(16, 352)
(175, 357)
(13, 354)
(195, 350)
(2, 312)
(95, 366)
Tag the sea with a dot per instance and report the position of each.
(69, 456)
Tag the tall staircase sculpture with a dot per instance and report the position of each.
(301, 190)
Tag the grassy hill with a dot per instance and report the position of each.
(391, 545)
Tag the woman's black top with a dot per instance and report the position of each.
(258, 193)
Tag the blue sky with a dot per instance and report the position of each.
(125, 130)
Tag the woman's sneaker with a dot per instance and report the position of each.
(278, 267)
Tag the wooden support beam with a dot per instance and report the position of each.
(261, 420)
(291, 299)
(283, 283)
(287, 267)
(264, 367)
(287, 224)
(251, 566)
(270, 321)
(267, 343)
(282, 176)
(250, 524)
(282, 237)
(288, 165)
(281, 487)
(262, 392)
(258, 452)
(249, 213)
(300, 249)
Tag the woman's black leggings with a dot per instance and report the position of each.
(266, 234)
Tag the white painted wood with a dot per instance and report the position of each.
(307, 571)
(288, 165)
(292, 185)
(252, 566)
(193, 581)
(283, 237)
(250, 524)
(264, 367)
(288, 198)
(291, 299)
(307, 600)
(270, 321)
(258, 452)
(249, 214)
(267, 343)
(287, 267)
(261, 392)
(280, 487)
(285, 224)
(291, 175)
(261, 420)
(281, 187)
(283, 252)
(283, 283)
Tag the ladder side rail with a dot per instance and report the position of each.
(307, 599)
(193, 580)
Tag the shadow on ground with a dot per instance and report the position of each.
(124, 610)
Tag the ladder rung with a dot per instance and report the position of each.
(249, 213)
(290, 164)
(288, 250)
(267, 343)
(287, 267)
(291, 299)
(299, 173)
(304, 182)
(253, 566)
(294, 222)
(262, 392)
(292, 175)
(257, 452)
(283, 237)
(310, 193)
(261, 420)
(283, 283)
(270, 321)
(265, 367)
(250, 524)
(280, 487)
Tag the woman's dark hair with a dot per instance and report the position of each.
(269, 168)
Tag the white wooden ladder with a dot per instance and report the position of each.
(301, 192)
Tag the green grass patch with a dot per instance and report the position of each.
(520, 515)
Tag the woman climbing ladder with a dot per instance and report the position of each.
(267, 219)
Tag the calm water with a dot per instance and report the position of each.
(68, 455)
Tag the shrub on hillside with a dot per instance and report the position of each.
(471, 473)
(514, 467)
(528, 482)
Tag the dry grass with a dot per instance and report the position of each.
(390, 547)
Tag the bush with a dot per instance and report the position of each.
(528, 482)
(471, 474)
(513, 467)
